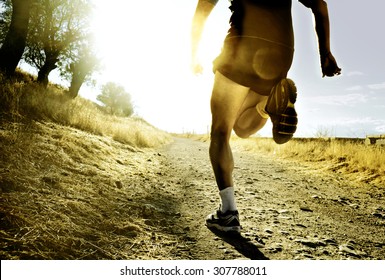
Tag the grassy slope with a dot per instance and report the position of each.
(68, 175)
(69, 194)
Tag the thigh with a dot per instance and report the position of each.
(226, 101)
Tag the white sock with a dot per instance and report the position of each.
(261, 108)
(228, 199)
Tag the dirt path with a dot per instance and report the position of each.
(296, 212)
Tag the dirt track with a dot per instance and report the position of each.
(296, 212)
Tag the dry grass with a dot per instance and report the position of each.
(71, 177)
(85, 115)
(25, 100)
(68, 194)
(351, 157)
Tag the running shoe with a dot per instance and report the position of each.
(226, 222)
(280, 107)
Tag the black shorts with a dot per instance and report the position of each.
(254, 62)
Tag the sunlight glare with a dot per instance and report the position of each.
(145, 46)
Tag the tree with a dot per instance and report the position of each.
(56, 26)
(81, 70)
(116, 99)
(15, 41)
(5, 18)
(81, 62)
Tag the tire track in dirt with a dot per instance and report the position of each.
(295, 211)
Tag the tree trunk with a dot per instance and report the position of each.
(78, 78)
(14, 43)
(42, 75)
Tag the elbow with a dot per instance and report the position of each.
(320, 7)
(315, 5)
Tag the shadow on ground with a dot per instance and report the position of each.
(242, 244)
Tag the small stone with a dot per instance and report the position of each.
(259, 240)
(273, 211)
(306, 209)
(275, 248)
(378, 215)
(119, 184)
(347, 250)
(351, 243)
(285, 218)
(308, 256)
(311, 243)
(325, 252)
(350, 250)
(301, 225)
(354, 205)
(330, 241)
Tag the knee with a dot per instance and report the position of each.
(220, 133)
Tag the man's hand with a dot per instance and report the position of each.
(329, 65)
(196, 68)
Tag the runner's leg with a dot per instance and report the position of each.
(226, 100)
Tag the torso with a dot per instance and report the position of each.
(258, 50)
(266, 19)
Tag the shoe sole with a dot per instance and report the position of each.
(283, 93)
(283, 116)
(223, 228)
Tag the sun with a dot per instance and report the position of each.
(145, 46)
(144, 35)
(136, 37)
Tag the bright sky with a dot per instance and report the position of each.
(145, 46)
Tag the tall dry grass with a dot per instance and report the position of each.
(352, 157)
(24, 99)
(364, 163)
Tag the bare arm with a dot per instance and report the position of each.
(202, 12)
(321, 15)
